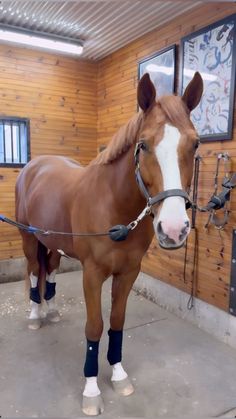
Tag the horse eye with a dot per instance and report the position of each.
(197, 144)
(144, 145)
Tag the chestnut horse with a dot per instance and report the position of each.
(55, 193)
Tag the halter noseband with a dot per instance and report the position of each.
(161, 195)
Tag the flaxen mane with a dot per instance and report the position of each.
(121, 141)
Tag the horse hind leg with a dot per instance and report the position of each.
(34, 252)
(53, 261)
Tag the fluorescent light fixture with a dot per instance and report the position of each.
(154, 68)
(40, 40)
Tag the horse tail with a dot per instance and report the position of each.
(42, 260)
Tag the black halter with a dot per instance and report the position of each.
(161, 195)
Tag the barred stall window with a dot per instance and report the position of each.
(14, 142)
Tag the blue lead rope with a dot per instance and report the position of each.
(116, 233)
(29, 229)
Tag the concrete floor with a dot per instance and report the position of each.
(177, 369)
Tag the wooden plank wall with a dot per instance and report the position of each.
(58, 94)
(117, 82)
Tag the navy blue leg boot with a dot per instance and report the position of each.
(50, 290)
(34, 295)
(91, 362)
(114, 353)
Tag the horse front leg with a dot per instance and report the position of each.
(92, 403)
(121, 287)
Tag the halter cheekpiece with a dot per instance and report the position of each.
(157, 199)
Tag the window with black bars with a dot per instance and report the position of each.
(14, 142)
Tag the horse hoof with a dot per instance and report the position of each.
(92, 406)
(123, 387)
(53, 316)
(34, 324)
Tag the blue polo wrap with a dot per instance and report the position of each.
(50, 290)
(114, 353)
(35, 295)
(91, 362)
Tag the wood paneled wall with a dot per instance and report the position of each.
(58, 95)
(76, 106)
(117, 82)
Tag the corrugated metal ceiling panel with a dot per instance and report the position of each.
(105, 26)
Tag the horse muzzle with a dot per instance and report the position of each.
(171, 237)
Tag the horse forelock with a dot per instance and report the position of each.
(121, 141)
(176, 111)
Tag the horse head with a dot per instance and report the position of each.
(166, 159)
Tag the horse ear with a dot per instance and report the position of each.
(193, 92)
(146, 92)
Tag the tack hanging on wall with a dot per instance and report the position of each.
(232, 293)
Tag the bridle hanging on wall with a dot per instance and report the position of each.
(217, 201)
(220, 201)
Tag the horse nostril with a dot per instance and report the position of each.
(159, 228)
(160, 231)
(184, 231)
(164, 239)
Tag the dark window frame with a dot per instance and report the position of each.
(26, 121)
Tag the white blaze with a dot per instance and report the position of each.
(173, 208)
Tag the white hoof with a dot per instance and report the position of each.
(123, 387)
(53, 316)
(92, 406)
(34, 324)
